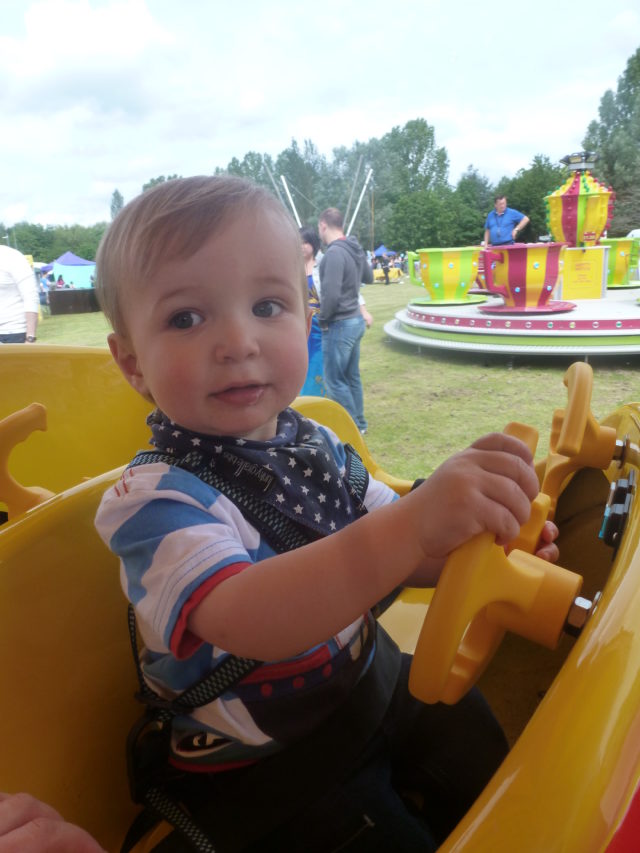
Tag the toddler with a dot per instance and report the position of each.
(202, 280)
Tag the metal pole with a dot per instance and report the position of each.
(355, 213)
(275, 186)
(293, 207)
(373, 221)
(353, 187)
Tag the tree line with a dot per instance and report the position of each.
(409, 202)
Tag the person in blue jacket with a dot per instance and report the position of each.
(503, 224)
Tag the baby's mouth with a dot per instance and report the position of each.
(241, 395)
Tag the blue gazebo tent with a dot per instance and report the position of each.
(74, 269)
(382, 250)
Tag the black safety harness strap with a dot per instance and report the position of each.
(148, 740)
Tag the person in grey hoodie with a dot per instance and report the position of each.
(343, 269)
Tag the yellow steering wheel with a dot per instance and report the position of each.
(482, 592)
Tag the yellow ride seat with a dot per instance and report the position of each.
(95, 420)
(66, 672)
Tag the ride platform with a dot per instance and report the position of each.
(578, 328)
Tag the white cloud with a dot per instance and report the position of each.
(106, 94)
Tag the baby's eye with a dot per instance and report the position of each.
(268, 308)
(185, 320)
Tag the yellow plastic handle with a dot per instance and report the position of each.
(14, 429)
(579, 382)
(481, 593)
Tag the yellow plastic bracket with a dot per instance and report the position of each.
(13, 429)
(577, 439)
(482, 593)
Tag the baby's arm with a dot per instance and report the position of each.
(286, 604)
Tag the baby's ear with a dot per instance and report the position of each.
(126, 359)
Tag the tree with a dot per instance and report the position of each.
(34, 240)
(472, 199)
(626, 214)
(343, 180)
(405, 160)
(615, 138)
(159, 180)
(78, 239)
(303, 172)
(421, 220)
(413, 162)
(253, 166)
(48, 243)
(117, 203)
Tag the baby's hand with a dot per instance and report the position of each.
(547, 548)
(30, 826)
(487, 487)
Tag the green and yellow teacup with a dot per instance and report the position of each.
(446, 274)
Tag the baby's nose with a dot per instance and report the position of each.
(235, 339)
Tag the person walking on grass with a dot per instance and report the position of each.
(343, 269)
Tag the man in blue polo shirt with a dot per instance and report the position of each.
(503, 224)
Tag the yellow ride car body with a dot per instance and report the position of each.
(571, 779)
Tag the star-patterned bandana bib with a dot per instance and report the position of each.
(296, 472)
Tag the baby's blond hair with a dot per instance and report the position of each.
(171, 220)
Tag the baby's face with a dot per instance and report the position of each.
(219, 340)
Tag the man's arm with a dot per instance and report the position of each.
(366, 316)
(487, 230)
(522, 224)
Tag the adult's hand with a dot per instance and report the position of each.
(30, 826)
(368, 319)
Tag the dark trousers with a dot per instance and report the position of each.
(405, 792)
(418, 778)
(19, 338)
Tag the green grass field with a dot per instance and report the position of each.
(423, 405)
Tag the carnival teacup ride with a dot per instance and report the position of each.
(619, 262)
(571, 779)
(447, 274)
(634, 272)
(525, 276)
(580, 210)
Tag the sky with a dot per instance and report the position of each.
(98, 95)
